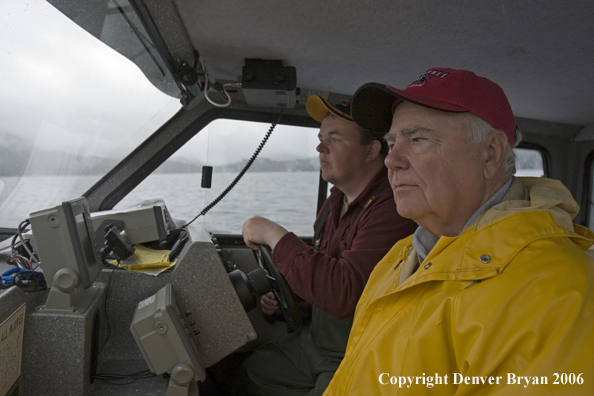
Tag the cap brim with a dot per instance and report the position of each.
(317, 107)
(373, 105)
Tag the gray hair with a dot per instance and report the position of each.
(477, 130)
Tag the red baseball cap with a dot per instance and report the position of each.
(440, 88)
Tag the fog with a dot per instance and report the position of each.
(60, 85)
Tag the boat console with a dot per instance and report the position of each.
(97, 321)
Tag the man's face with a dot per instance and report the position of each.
(342, 156)
(436, 173)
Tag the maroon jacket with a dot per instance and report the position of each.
(334, 278)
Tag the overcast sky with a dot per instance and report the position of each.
(64, 90)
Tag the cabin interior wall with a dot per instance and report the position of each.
(565, 160)
(564, 157)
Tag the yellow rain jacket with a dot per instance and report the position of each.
(512, 296)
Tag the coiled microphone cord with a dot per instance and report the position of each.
(240, 174)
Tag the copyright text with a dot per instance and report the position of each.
(457, 379)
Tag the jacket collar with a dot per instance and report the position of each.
(473, 255)
(424, 241)
(336, 196)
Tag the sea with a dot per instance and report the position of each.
(287, 198)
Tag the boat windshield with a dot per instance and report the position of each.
(70, 108)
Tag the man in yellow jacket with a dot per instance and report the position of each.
(494, 292)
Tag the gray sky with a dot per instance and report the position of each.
(64, 90)
(55, 71)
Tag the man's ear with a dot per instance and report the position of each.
(495, 148)
(373, 150)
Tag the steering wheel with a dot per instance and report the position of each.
(283, 293)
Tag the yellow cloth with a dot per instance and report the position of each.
(147, 261)
(512, 296)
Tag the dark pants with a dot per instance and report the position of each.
(291, 365)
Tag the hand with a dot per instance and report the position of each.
(269, 303)
(260, 231)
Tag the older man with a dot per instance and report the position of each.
(355, 229)
(495, 284)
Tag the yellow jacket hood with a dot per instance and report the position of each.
(535, 193)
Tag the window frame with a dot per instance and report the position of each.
(588, 188)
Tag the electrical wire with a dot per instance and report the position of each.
(18, 259)
(13, 250)
(110, 287)
(116, 378)
(212, 102)
(24, 275)
(20, 229)
(221, 89)
(241, 173)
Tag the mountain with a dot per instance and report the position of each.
(16, 162)
(270, 165)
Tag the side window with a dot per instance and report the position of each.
(529, 163)
(281, 184)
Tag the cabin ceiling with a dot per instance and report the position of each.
(540, 52)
